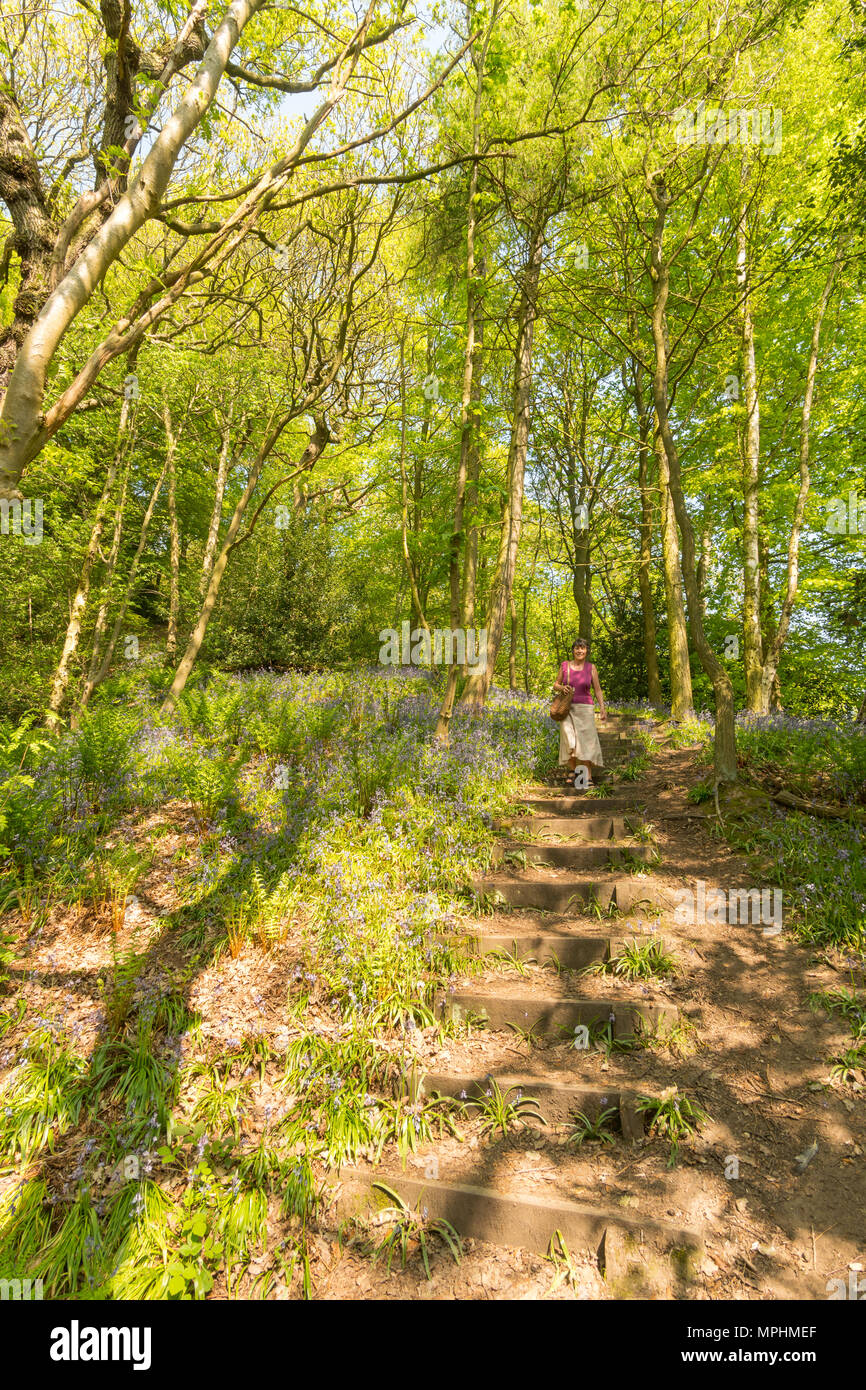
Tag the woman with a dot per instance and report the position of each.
(578, 738)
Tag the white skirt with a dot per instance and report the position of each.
(578, 736)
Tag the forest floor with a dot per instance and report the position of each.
(776, 1217)
(759, 1069)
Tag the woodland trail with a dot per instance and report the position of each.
(575, 879)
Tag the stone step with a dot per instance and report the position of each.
(544, 801)
(526, 1222)
(571, 952)
(578, 857)
(551, 1015)
(562, 776)
(616, 742)
(599, 770)
(566, 827)
(568, 894)
(627, 1242)
(558, 1101)
(610, 757)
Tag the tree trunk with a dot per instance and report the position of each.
(33, 229)
(769, 674)
(725, 744)
(105, 665)
(209, 556)
(704, 561)
(102, 616)
(682, 699)
(582, 581)
(317, 442)
(648, 617)
(499, 599)
(174, 545)
(25, 428)
(768, 625)
(473, 473)
(468, 458)
(60, 683)
(417, 606)
(512, 647)
(752, 652)
(558, 640)
(526, 678)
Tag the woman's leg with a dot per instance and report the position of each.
(568, 746)
(581, 743)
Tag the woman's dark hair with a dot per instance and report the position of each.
(579, 642)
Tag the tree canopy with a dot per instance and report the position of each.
(522, 317)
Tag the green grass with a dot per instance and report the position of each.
(408, 1231)
(701, 792)
(644, 831)
(819, 863)
(7, 956)
(850, 1064)
(594, 1131)
(847, 1003)
(692, 732)
(508, 960)
(560, 1257)
(641, 759)
(821, 869)
(638, 960)
(41, 1097)
(672, 1117)
(501, 1111)
(812, 758)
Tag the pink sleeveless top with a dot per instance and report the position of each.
(580, 682)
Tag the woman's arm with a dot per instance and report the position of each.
(602, 713)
